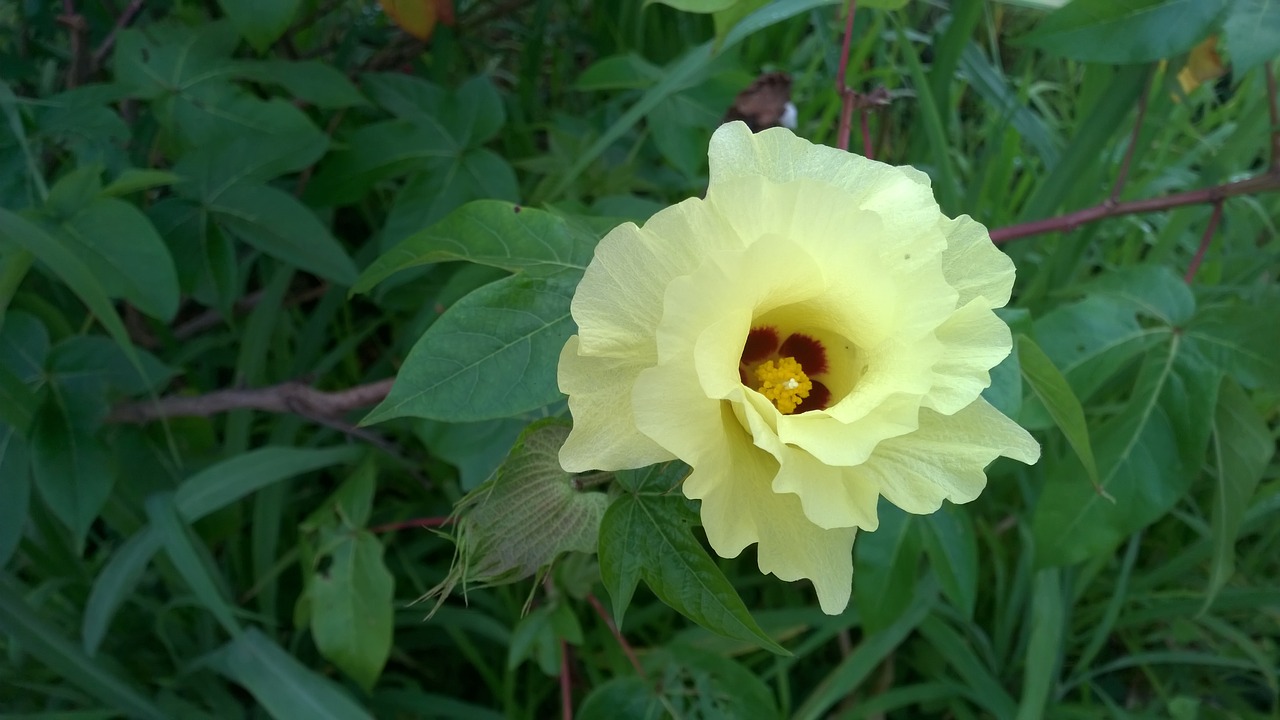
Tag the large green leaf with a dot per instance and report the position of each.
(491, 233)
(261, 22)
(1089, 342)
(1241, 338)
(1252, 28)
(169, 57)
(119, 244)
(311, 81)
(1242, 449)
(1148, 454)
(275, 222)
(493, 353)
(285, 687)
(1126, 31)
(649, 537)
(352, 607)
(886, 568)
(73, 472)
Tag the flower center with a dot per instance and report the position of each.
(783, 383)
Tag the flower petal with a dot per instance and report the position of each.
(976, 341)
(832, 496)
(604, 435)
(732, 479)
(946, 457)
(973, 265)
(618, 304)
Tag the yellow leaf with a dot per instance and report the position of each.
(416, 17)
(1203, 64)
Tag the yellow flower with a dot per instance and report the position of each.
(811, 336)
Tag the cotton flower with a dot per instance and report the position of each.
(811, 336)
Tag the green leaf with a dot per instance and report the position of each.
(689, 682)
(516, 524)
(17, 401)
(1154, 291)
(169, 57)
(476, 449)
(133, 180)
(200, 495)
(1090, 342)
(28, 630)
(886, 568)
(1045, 645)
(352, 607)
(275, 222)
(1126, 31)
(123, 250)
(1148, 454)
(658, 479)
(447, 185)
(491, 233)
(92, 364)
(1053, 391)
(619, 72)
(621, 698)
(284, 687)
(72, 470)
(311, 81)
(1252, 30)
(952, 548)
(1241, 338)
(261, 22)
(15, 490)
(191, 559)
(492, 354)
(650, 538)
(1242, 449)
(696, 6)
(64, 264)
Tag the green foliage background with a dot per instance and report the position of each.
(199, 197)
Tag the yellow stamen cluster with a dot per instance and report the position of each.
(784, 383)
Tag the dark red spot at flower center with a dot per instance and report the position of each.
(761, 344)
(807, 351)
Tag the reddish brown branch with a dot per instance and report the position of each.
(1209, 232)
(1123, 175)
(109, 41)
(842, 87)
(291, 397)
(617, 635)
(431, 522)
(1266, 182)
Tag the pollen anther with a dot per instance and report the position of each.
(783, 383)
